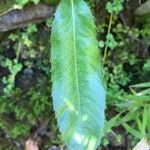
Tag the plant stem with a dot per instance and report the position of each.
(109, 29)
(18, 51)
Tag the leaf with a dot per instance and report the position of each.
(113, 122)
(139, 98)
(148, 122)
(36, 1)
(144, 92)
(143, 9)
(110, 42)
(114, 7)
(77, 88)
(129, 116)
(132, 130)
(142, 85)
(6, 5)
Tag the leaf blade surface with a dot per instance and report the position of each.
(77, 88)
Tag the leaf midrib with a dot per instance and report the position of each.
(75, 59)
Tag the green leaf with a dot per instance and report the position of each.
(101, 44)
(6, 6)
(36, 1)
(148, 122)
(144, 92)
(139, 98)
(142, 85)
(115, 6)
(22, 2)
(113, 122)
(132, 130)
(110, 41)
(77, 88)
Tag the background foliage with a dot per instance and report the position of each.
(25, 103)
